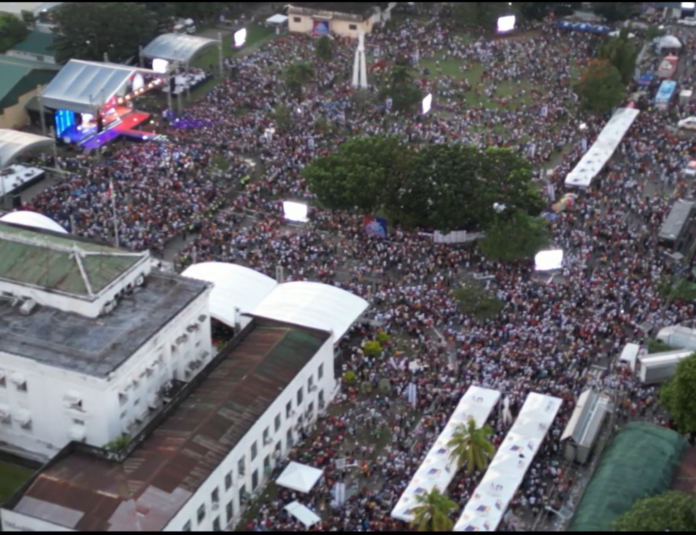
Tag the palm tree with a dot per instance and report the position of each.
(298, 75)
(471, 447)
(400, 76)
(323, 48)
(432, 512)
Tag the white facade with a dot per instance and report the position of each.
(226, 483)
(313, 403)
(43, 407)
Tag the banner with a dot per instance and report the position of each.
(321, 27)
(376, 226)
(412, 394)
(456, 236)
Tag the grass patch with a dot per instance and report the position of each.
(256, 36)
(12, 477)
(220, 161)
(658, 346)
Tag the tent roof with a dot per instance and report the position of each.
(299, 477)
(314, 305)
(276, 19)
(81, 86)
(303, 513)
(13, 143)
(177, 47)
(32, 219)
(235, 287)
(669, 41)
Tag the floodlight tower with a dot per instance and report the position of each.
(359, 66)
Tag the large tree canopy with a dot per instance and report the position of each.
(12, 31)
(88, 30)
(600, 88)
(515, 236)
(678, 396)
(621, 54)
(671, 511)
(436, 187)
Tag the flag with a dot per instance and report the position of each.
(110, 193)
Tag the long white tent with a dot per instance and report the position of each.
(603, 148)
(493, 495)
(438, 468)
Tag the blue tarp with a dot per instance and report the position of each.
(646, 79)
(583, 27)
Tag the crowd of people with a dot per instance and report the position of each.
(547, 336)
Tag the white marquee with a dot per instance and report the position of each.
(438, 468)
(32, 219)
(492, 497)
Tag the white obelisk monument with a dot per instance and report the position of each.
(359, 67)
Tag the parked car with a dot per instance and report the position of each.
(688, 124)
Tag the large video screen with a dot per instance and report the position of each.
(160, 65)
(240, 37)
(506, 23)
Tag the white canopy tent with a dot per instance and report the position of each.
(669, 41)
(438, 468)
(277, 19)
(237, 289)
(510, 464)
(13, 143)
(177, 47)
(314, 305)
(603, 148)
(303, 513)
(32, 219)
(299, 477)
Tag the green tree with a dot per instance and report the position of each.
(670, 511)
(615, 11)
(359, 175)
(372, 348)
(323, 48)
(402, 89)
(349, 377)
(198, 10)
(12, 31)
(680, 290)
(297, 76)
(29, 18)
(282, 117)
(482, 14)
(471, 446)
(88, 30)
(678, 396)
(600, 89)
(515, 237)
(432, 510)
(163, 13)
(621, 54)
(475, 300)
(117, 444)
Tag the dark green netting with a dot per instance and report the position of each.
(639, 462)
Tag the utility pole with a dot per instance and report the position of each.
(39, 96)
(220, 55)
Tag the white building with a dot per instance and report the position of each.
(89, 337)
(346, 19)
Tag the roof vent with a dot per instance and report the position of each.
(27, 307)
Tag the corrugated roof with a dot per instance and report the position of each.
(27, 257)
(14, 70)
(36, 43)
(146, 491)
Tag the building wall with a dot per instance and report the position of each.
(89, 307)
(203, 499)
(110, 406)
(31, 56)
(344, 28)
(16, 116)
(12, 521)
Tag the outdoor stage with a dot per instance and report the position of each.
(123, 123)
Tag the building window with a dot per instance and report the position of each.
(296, 19)
(187, 526)
(201, 513)
(266, 435)
(310, 408)
(289, 438)
(22, 387)
(310, 383)
(3, 381)
(216, 524)
(288, 410)
(228, 480)
(26, 426)
(243, 495)
(267, 465)
(229, 510)
(352, 26)
(122, 399)
(321, 402)
(78, 422)
(215, 495)
(277, 422)
(320, 372)
(254, 480)
(299, 396)
(254, 450)
(241, 466)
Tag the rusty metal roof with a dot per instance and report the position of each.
(144, 493)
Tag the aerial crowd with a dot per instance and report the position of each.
(549, 333)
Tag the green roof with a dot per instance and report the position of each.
(639, 463)
(48, 261)
(36, 43)
(19, 76)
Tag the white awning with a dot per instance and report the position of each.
(18, 378)
(177, 47)
(276, 19)
(299, 477)
(235, 287)
(314, 305)
(23, 417)
(32, 219)
(13, 143)
(78, 433)
(303, 514)
(4, 411)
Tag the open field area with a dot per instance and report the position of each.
(11, 478)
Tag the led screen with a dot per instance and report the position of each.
(240, 38)
(548, 260)
(295, 211)
(427, 103)
(160, 65)
(506, 23)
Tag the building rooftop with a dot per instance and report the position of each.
(36, 43)
(48, 260)
(145, 492)
(96, 346)
(19, 76)
(350, 8)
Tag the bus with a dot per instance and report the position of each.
(678, 232)
(665, 94)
